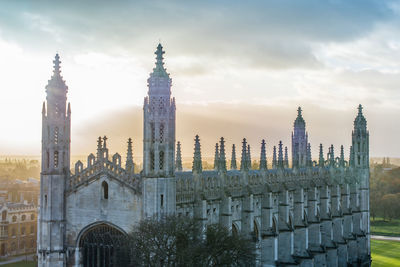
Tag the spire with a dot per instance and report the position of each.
(274, 162)
(341, 162)
(57, 69)
(360, 123)
(299, 120)
(56, 82)
(197, 165)
(216, 157)
(280, 155)
(233, 158)
(243, 160)
(178, 163)
(331, 157)
(263, 157)
(309, 158)
(105, 142)
(222, 157)
(99, 148)
(159, 70)
(248, 157)
(129, 165)
(321, 159)
(286, 162)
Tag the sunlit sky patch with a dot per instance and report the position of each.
(239, 69)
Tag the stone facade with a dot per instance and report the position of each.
(313, 214)
(18, 227)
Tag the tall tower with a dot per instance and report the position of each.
(56, 129)
(299, 141)
(159, 141)
(360, 141)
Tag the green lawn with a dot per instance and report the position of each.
(21, 264)
(385, 253)
(381, 227)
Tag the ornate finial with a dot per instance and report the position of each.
(216, 157)
(57, 63)
(263, 156)
(99, 147)
(197, 164)
(233, 158)
(308, 156)
(280, 155)
(105, 141)
(248, 157)
(159, 70)
(129, 165)
(321, 160)
(243, 160)
(299, 112)
(341, 156)
(286, 161)
(360, 109)
(274, 162)
(222, 158)
(178, 162)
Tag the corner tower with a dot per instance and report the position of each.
(56, 128)
(159, 141)
(299, 141)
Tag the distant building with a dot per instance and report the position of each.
(313, 214)
(18, 228)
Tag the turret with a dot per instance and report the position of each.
(55, 170)
(159, 186)
(159, 123)
(360, 141)
(299, 141)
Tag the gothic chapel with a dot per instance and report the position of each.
(315, 213)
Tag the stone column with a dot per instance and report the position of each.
(337, 221)
(225, 213)
(314, 229)
(348, 225)
(326, 227)
(285, 237)
(247, 216)
(300, 228)
(269, 240)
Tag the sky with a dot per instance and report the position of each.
(238, 68)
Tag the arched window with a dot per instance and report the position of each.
(32, 229)
(104, 186)
(161, 160)
(23, 217)
(55, 159)
(235, 231)
(56, 135)
(47, 159)
(161, 132)
(32, 216)
(14, 218)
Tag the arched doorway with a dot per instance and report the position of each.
(104, 245)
